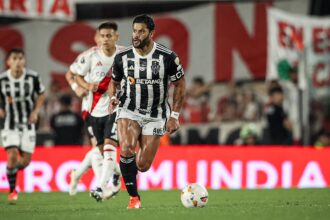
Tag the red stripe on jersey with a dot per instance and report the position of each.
(84, 115)
(102, 88)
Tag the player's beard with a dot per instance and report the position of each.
(142, 43)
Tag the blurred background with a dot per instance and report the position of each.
(241, 59)
(257, 72)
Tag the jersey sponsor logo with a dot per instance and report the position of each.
(99, 63)
(144, 111)
(155, 67)
(101, 74)
(148, 81)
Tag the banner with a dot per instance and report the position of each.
(230, 42)
(41, 9)
(301, 42)
(262, 167)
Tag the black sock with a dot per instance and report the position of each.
(129, 171)
(11, 176)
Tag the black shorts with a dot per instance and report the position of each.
(104, 127)
(88, 126)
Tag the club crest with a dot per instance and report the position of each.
(155, 67)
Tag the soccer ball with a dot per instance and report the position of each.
(194, 195)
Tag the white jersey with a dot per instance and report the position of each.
(95, 66)
(74, 68)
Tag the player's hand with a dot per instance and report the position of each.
(114, 101)
(93, 87)
(81, 92)
(2, 113)
(33, 117)
(172, 125)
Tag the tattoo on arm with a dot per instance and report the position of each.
(179, 94)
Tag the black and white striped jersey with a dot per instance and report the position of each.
(18, 97)
(147, 79)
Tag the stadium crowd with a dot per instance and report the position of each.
(271, 105)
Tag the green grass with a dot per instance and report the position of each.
(158, 205)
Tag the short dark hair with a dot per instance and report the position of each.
(15, 50)
(276, 89)
(108, 25)
(66, 100)
(145, 19)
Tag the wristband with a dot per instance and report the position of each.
(113, 97)
(74, 86)
(175, 115)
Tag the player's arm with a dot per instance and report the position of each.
(179, 82)
(39, 90)
(38, 105)
(70, 76)
(84, 63)
(2, 108)
(85, 85)
(178, 94)
(78, 90)
(116, 77)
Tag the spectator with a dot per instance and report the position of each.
(248, 135)
(67, 125)
(251, 106)
(197, 101)
(279, 125)
(227, 108)
(323, 139)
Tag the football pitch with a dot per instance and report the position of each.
(158, 205)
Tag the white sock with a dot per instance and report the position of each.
(97, 161)
(84, 165)
(109, 163)
(117, 169)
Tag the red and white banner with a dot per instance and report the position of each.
(40, 9)
(215, 167)
(229, 42)
(301, 40)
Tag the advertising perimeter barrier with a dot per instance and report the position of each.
(216, 167)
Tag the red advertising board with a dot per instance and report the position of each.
(213, 166)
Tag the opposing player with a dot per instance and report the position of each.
(22, 96)
(144, 114)
(93, 159)
(95, 66)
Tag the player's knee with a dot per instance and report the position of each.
(143, 166)
(12, 157)
(127, 149)
(24, 164)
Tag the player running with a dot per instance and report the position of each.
(21, 97)
(94, 75)
(144, 114)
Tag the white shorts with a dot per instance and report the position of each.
(25, 140)
(149, 126)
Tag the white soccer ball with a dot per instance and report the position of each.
(194, 195)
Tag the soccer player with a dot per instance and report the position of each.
(144, 114)
(22, 96)
(93, 159)
(95, 66)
